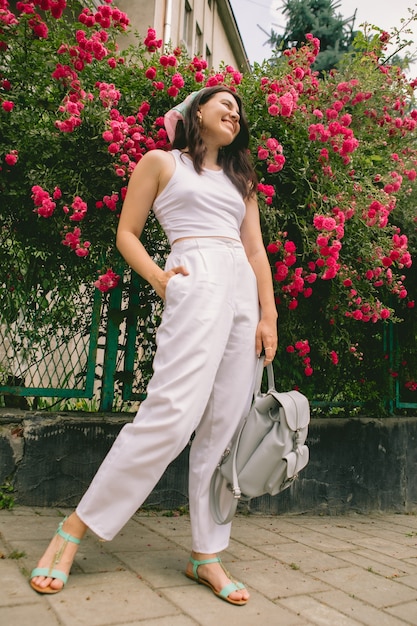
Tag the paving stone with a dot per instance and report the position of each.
(94, 558)
(255, 536)
(274, 523)
(300, 571)
(357, 609)
(29, 615)
(136, 537)
(166, 526)
(317, 612)
(160, 569)
(406, 611)
(238, 551)
(368, 563)
(302, 557)
(399, 535)
(343, 532)
(318, 540)
(275, 580)
(103, 599)
(18, 527)
(388, 547)
(396, 520)
(411, 581)
(14, 588)
(408, 566)
(177, 620)
(369, 587)
(198, 602)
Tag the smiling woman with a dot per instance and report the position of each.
(219, 315)
(220, 111)
(230, 154)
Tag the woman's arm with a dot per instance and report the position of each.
(266, 334)
(147, 180)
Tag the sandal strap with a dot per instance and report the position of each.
(230, 588)
(196, 564)
(65, 535)
(49, 573)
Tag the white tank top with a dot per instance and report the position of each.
(199, 205)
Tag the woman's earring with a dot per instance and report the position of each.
(200, 118)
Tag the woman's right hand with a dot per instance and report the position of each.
(160, 284)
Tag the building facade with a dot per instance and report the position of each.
(206, 28)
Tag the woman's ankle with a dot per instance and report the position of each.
(74, 526)
(202, 556)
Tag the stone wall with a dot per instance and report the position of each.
(355, 464)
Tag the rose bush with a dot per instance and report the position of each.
(336, 159)
(342, 223)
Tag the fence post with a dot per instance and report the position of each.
(389, 348)
(111, 349)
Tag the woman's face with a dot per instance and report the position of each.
(219, 118)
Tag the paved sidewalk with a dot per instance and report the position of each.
(300, 570)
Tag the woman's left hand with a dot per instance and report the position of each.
(267, 339)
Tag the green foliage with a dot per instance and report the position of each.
(320, 18)
(336, 159)
(15, 555)
(6, 497)
(350, 358)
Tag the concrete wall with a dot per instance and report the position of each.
(356, 464)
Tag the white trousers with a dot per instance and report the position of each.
(203, 376)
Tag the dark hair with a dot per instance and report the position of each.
(234, 158)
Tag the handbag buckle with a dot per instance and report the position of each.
(224, 457)
(235, 491)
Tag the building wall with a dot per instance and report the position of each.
(205, 27)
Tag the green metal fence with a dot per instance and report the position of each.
(401, 346)
(105, 354)
(60, 364)
(133, 314)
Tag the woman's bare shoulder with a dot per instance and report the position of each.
(159, 158)
(155, 164)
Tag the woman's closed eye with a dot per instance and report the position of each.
(231, 108)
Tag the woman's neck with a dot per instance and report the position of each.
(210, 161)
(211, 158)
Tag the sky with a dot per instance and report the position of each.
(266, 13)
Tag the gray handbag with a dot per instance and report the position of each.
(267, 451)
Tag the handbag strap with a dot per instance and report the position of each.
(258, 376)
(256, 391)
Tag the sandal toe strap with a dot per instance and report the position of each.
(49, 573)
(230, 588)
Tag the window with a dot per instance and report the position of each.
(187, 32)
(198, 48)
(209, 58)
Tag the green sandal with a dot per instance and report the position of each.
(223, 593)
(51, 572)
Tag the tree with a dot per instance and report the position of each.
(318, 17)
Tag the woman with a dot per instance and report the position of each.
(219, 315)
